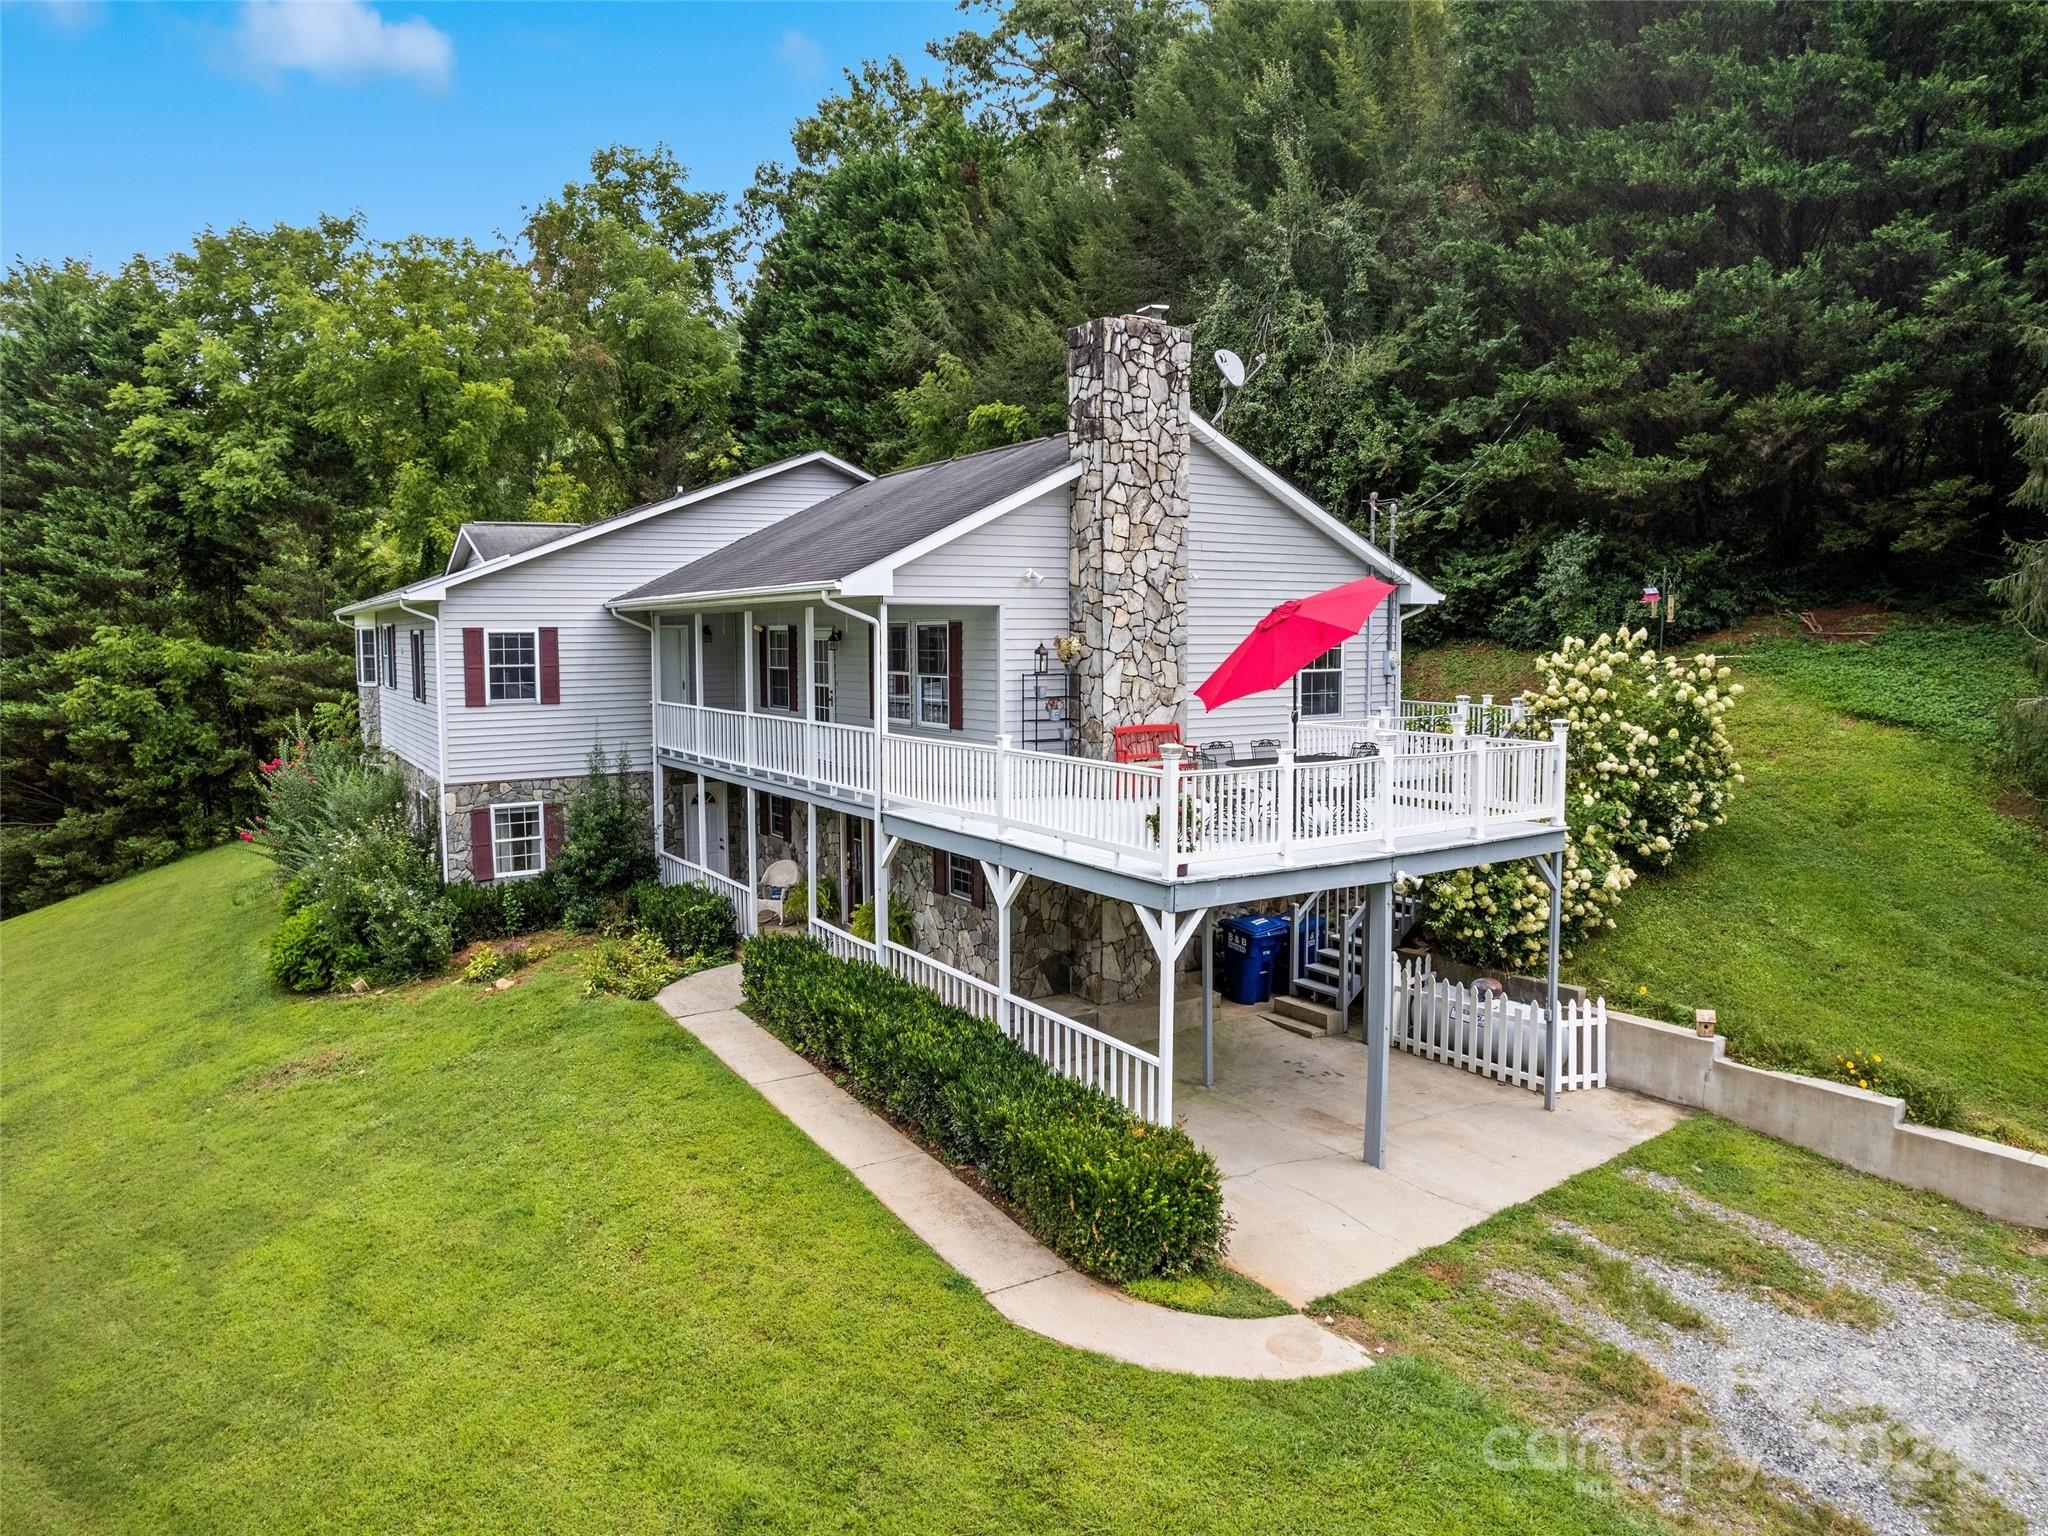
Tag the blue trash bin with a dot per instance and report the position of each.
(1254, 949)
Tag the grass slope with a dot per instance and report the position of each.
(517, 1260)
(1865, 894)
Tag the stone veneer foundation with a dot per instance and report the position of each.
(458, 800)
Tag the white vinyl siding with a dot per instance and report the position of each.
(992, 562)
(1247, 553)
(603, 660)
(405, 724)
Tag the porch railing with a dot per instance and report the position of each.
(1088, 1056)
(1419, 784)
(677, 870)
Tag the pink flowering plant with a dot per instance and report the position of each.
(1648, 768)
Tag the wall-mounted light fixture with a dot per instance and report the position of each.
(707, 634)
(1044, 658)
(832, 640)
(1031, 576)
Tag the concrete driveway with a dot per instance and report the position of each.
(1286, 1122)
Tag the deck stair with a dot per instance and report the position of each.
(1299, 1016)
(1334, 973)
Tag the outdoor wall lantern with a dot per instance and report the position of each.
(835, 637)
(707, 634)
(1044, 659)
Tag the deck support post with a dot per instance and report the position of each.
(806, 700)
(747, 687)
(703, 830)
(885, 850)
(1169, 933)
(1552, 871)
(654, 738)
(1208, 1001)
(1003, 884)
(753, 913)
(811, 866)
(1379, 997)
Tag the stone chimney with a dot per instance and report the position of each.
(1127, 565)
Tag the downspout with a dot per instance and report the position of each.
(440, 734)
(653, 731)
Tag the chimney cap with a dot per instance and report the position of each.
(1152, 312)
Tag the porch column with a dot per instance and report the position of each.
(1003, 884)
(697, 658)
(753, 874)
(811, 865)
(1208, 1002)
(885, 850)
(1379, 996)
(1552, 871)
(747, 686)
(703, 830)
(806, 700)
(1169, 933)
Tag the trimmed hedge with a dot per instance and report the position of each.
(688, 919)
(1109, 1193)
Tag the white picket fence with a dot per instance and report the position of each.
(1487, 1033)
(1069, 1047)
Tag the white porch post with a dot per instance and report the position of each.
(1003, 884)
(704, 831)
(885, 849)
(747, 686)
(811, 865)
(697, 658)
(753, 874)
(1552, 871)
(1379, 954)
(806, 699)
(1208, 1002)
(1169, 933)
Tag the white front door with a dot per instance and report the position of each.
(715, 830)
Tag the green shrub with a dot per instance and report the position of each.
(688, 919)
(527, 906)
(380, 902)
(485, 965)
(636, 965)
(474, 912)
(314, 788)
(862, 923)
(607, 842)
(1107, 1192)
(796, 902)
(301, 954)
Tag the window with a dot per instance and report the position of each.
(511, 665)
(822, 678)
(959, 875)
(920, 674)
(781, 654)
(422, 812)
(389, 635)
(1319, 687)
(419, 664)
(781, 819)
(517, 845)
(366, 655)
(899, 672)
(934, 687)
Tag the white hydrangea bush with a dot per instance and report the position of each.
(1648, 768)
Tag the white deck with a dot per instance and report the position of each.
(1420, 790)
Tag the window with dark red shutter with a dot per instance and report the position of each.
(956, 678)
(550, 666)
(473, 668)
(481, 867)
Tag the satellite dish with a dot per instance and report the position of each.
(1232, 366)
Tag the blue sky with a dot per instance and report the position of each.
(127, 127)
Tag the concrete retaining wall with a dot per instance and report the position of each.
(1864, 1130)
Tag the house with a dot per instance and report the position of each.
(872, 689)
(490, 683)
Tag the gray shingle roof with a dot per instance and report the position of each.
(833, 538)
(490, 540)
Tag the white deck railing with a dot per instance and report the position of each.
(1494, 1036)
(1394, 786)
(677, 870)
(1111, 1066)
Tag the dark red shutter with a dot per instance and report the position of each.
(551, 830)
(980, 877)
(473, 668)
(761, 669)
(550, 666)
(480, 865)
(956, 678)
(940, 884)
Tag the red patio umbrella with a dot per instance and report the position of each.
(1292, 636)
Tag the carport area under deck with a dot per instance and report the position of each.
(1285, 1118)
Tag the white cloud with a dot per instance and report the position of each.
(801, 55)
(339, 40)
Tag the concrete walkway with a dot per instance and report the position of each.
(1020, 1276)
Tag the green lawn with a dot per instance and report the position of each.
(516, 1260)
(1866, 894)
